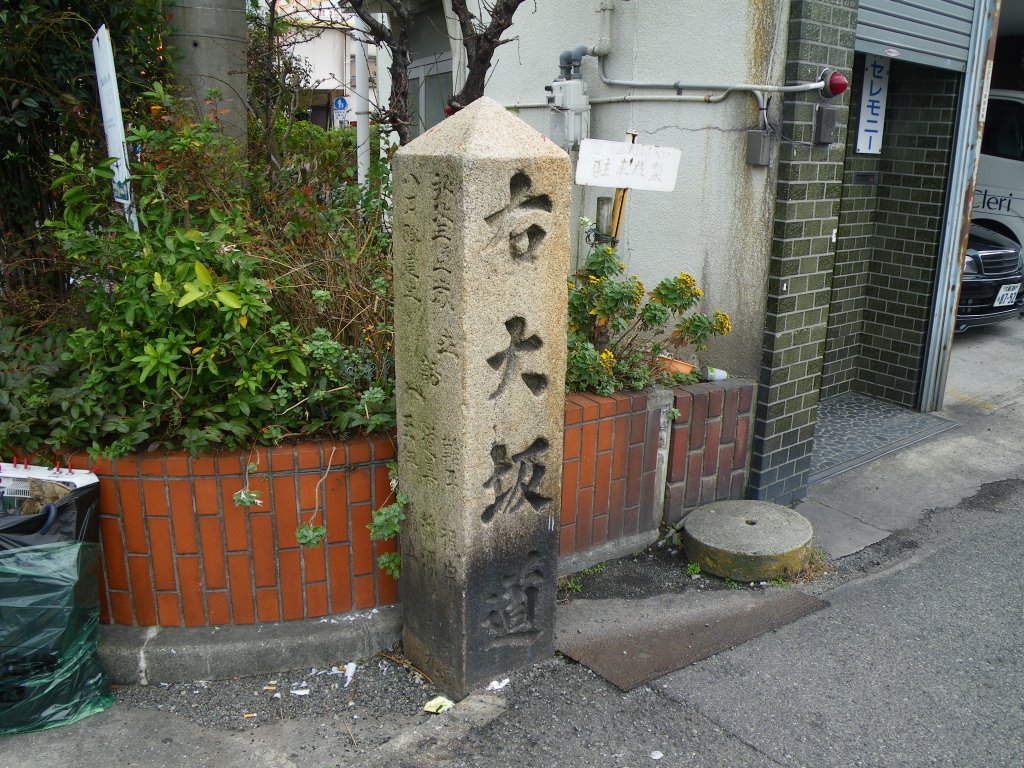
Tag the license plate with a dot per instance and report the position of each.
(1007, 295)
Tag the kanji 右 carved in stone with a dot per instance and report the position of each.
(519, 219)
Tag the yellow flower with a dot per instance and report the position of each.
(607, 360)
(686, 281)
(723, 324)
(593, 280)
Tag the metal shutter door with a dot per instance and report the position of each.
(932, 32)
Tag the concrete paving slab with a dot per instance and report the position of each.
(638, 654)
(154, 740)
(837, 533)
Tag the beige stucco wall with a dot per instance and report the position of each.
(717, 223)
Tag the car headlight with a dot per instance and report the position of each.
(970, 265)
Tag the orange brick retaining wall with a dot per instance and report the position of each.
(710, 454)
(609, 470)
(178, 551)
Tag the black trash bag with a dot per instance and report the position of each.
(49, 610)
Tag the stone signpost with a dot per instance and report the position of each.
(481, 258)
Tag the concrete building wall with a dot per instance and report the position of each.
(327, 56)
(717, 224)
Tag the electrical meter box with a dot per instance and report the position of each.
(570, 112)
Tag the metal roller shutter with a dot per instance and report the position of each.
(932, 32)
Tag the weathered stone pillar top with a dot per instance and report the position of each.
(484, 129)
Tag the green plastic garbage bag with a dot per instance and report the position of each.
(49, 672)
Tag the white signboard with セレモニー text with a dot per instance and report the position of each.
(871, 122)
(630, 166)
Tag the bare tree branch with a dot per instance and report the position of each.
(480, 42)
(396, 37)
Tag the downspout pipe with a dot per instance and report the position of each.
(604, 40)
(362, 102)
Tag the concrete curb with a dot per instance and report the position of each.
(148, 655)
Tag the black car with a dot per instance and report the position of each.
(991, 289)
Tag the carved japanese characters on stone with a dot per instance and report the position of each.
(516, 480)
(510, 363)
(522, 219)
(514, 610)
(481, 248)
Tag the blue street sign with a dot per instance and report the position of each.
(340, 103)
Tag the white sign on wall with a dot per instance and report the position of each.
(872, 105)
(631, 166)
(110, 108)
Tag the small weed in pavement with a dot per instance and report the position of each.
(573, 583)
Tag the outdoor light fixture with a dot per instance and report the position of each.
(833, 83)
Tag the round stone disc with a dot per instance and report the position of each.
(747, 540)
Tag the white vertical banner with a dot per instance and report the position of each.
(871, 124)
(110, 108)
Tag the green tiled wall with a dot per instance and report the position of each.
(889, 238)
(821, 34)
(911, 201)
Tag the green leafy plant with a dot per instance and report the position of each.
(309, 535)
(30, 362)
(386, 522)
(616, 327)
(693, 569)
(731, 584)
(572, 584)
(215, 325)
(48, 97)
(569, 585)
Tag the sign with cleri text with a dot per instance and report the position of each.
(620, 164)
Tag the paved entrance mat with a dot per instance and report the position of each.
(630, 643)
(853, 429)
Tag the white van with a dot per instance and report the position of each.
(999, 190)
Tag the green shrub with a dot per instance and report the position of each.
(242, 311)
(31, 369)
(616, 327)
